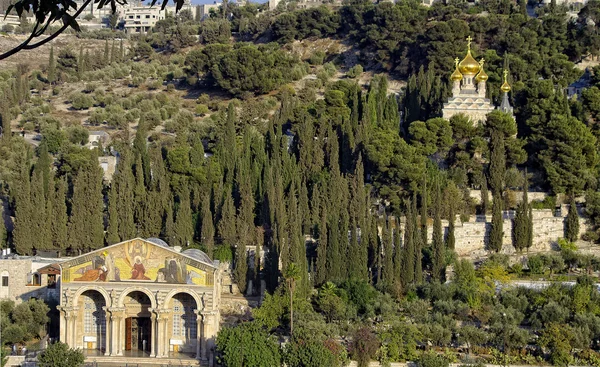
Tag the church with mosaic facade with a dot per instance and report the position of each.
(469, 87)
(140, 298)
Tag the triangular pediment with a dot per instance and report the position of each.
(139, 260)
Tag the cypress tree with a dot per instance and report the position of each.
(297, 245)
(22, 233)
(184, 228)
(424, 212)
(387, 273)
(43, 165)
(382, 86)
(496, 232)
(572, 224)
(304, 209)
(112, 232)
(497, 163)
(169, 230)
(51, 67)
(344, 225)
(140, 150)
(86, 223)
(418, 245)
(208, 229)
(438, 258)
(408, 255)
(125, 183)
(485, 201)
(321, 275)
(5, 119)
(140, 199)
(226, 226)
(398, 258)
(39, 217)
(121, 52)
(390, 114)
(315, 207)
(60, 219)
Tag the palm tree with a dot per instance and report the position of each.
(291, 274)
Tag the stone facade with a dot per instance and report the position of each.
(23, 278)
(141, 297)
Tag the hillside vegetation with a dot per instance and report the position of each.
(273, 127)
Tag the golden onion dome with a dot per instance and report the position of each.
(482, 76)
(468, 65)
(505, 86)
(456, 75)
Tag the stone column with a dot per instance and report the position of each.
(161, 333)
(121, 335)
(209, 331)
(116, 315)
(165, 337)
(73, 329)
(107, 331)
(67, 339)
(153, 336)
(198, 334)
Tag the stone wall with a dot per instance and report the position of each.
(471, 236)
(531, 196)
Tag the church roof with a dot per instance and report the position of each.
(205, 260)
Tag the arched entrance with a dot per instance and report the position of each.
(93, 315)
(184, 324)
(138, 324)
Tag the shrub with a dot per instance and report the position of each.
(432, 359)
(317, 58)
(81, 101)
(355, 71)
(364, 346)
(201, 109)
(8, 28)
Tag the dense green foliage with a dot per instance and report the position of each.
(60, 355)
(24, 321)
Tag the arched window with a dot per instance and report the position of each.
(184, 318)
(93, 314)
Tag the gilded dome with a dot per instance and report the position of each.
(482, 76)
(505, 86)
(468, 65)
(456, 75)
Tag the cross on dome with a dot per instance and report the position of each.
(469, 39)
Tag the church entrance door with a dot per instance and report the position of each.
(138, 334)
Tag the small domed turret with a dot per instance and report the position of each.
(482, 76)
(456, 75)
(505, 86)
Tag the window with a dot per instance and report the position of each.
(5, 281)
(51, 281)
(148, 16)
(93, 315)
(36, 279)
(184, 318)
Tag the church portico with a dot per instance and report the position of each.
(166, 307)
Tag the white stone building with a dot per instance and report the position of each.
(469, 81)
